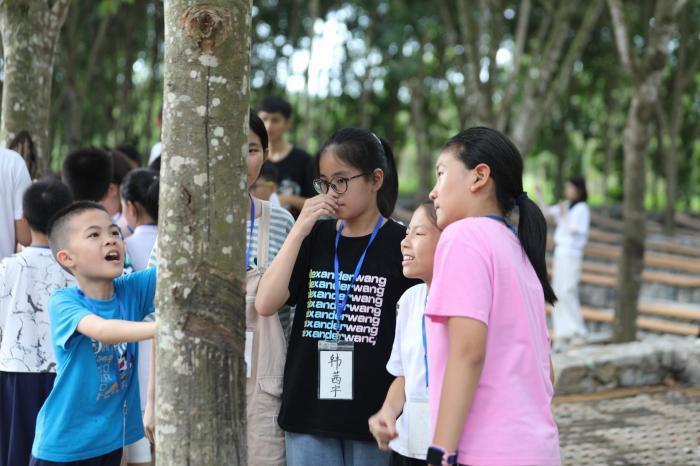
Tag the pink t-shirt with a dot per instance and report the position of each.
(481, 272)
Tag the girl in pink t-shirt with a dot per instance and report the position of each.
(488, 350)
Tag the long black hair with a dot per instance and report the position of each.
(479, 145)
(256, 125)
(141, 187)
(366, 151)
(579, 183)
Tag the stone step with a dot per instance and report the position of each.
(652, 361)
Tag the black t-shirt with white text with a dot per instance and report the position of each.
(369, 321)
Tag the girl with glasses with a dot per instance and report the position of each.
(344, 276)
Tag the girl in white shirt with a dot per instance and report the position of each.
(573, 218)
(409, 436)
(139, 193)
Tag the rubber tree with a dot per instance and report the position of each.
(645, 72)
(200, 376)
(30, 31)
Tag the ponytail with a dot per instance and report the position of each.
(366, 151)
(532, 231)
(141, 187)
(479, 145)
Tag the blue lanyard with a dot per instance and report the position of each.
(425, 350)
(39, 247)
(127, 353)
(504, 221)
(340, 306)
(250, 234)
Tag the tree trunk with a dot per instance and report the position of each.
(200, 375)
(30, 32)
(423, 153)
(646, 77)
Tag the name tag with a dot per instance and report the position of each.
(418, 426)
(248, 354)
(335, 370)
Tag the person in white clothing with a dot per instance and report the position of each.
(139, 194)
(409, 436)
(573, 218)
(15, 180)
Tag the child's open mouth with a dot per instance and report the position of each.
(407, 259)
(113, 256)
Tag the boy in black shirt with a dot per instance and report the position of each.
(294, 165)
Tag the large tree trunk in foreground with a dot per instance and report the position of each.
(30, 31)
(200, 375)
(646, 78)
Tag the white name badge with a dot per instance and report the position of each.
(418, 426)
(335, 370)
(248, 354)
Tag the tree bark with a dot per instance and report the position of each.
(30, 31)
(200, 376)
(646, 78)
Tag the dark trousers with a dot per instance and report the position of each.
(399, 460)
(110, 459)
(21, 397)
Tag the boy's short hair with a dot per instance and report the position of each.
(269, 172)
(120, 166)
(275, 104)
(42, 200)
(88, 173)
(60, 223)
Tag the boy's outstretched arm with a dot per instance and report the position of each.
(112, 331)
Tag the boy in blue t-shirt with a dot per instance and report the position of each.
(93, 410)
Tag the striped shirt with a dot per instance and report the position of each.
(281, 222)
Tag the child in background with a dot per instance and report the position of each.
(95, 175)
(93, 410)
(407, 399)
(490, 390)
(265, 187)
(294, 165)
(15, 180)
(573, 219)
(139, 192)
(27, 363)
(344, 276)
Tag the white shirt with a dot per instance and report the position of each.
(155, 152)
(274, 200)
(571, 239)
(139, 246)
(15, 180)
(27, 279)
(408, 358)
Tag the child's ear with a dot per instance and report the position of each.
(64, 258)
(377, 179)
(266, 154)
(481, 174)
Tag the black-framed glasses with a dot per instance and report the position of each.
(340, 185)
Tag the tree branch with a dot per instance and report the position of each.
(622, 37)
(520, 37)
(579, 42)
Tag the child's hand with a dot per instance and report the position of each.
(383, 426)
(149, 422)
(314, 208)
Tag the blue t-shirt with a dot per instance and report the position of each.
(83, 416)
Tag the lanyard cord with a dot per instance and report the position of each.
(340, 306)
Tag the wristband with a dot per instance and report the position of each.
(437, 456)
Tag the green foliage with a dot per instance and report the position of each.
(386, 51)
